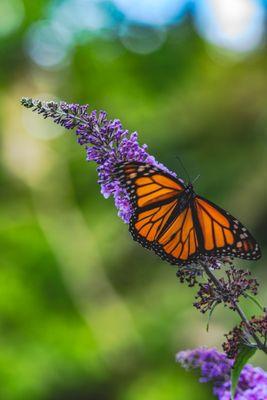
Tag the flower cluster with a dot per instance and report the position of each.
(189, 274)
(105, 141)
(259, 326)
(227, 291)
(242, 333)
(215, 367)
(234, 339)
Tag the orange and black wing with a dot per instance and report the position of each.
(221, 234)
(178, 243)
(159, 221)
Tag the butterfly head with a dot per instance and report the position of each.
(189, 190)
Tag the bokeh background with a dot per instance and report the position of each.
(86, 313)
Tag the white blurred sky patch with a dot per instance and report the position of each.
(152, 12)
(237, 25)
(50, 42)
(46, 45)
(76, 15)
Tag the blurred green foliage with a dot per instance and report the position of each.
(86, 313)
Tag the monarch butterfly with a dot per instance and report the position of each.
(179, 225)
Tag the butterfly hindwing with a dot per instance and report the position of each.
(178, 244)
(146, 226)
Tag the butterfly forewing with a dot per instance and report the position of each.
(154, 197)
(224, 234)
(147, 185)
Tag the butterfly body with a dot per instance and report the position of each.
(186, 196)
(170, 218)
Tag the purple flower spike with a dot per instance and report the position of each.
(215, 367)
(105, 141)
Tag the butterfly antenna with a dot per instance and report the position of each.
(196, 178)
(184, 169)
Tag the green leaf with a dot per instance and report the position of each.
(255, 301)
(210, 314)
(244, 354)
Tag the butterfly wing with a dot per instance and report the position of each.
(147, 185)
(162, 220)
(178, 243)
(221, 234)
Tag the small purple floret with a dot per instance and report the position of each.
(215, 367)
